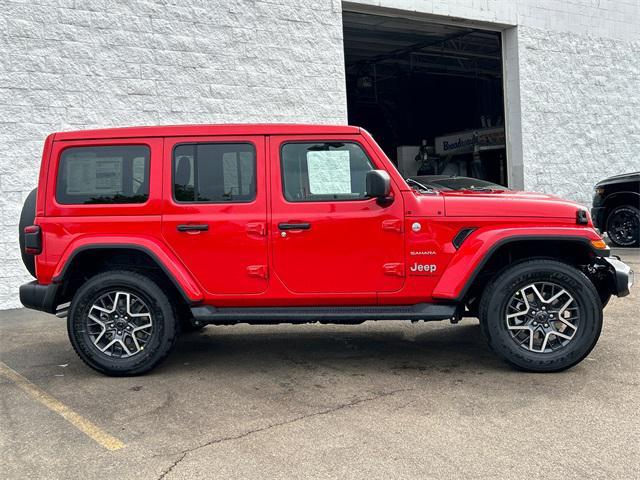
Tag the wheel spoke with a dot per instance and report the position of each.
(101, 309)
(544, 342)
(537, 292)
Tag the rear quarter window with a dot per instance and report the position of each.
(103, 175)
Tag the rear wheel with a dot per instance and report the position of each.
(121, 323)
(623, 226)
(541, 315)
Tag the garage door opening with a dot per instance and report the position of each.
(430, 94)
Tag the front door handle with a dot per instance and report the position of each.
(203, 227)
(294, 226)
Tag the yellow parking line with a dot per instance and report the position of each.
(92, 431)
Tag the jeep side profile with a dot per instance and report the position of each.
(136, 234)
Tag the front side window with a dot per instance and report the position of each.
(103, 174)
(324, 171)
(214, 172)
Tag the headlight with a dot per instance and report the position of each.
(599, 190)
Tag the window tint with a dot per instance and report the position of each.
(214, 172)
(324, 171)
(113, 174)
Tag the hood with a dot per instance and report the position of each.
(506, 203)
(623, 178)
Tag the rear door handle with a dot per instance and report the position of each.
(294, 226)
(203, 227)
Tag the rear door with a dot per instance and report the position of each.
(328, 238)
(215, 210)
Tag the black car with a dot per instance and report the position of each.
(448, 182)
(616, 209)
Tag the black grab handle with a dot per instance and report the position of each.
(193, 228)
(294, 226)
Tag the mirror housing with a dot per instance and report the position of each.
(378, 185)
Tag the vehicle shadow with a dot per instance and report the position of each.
(393, 346)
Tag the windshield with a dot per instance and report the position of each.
(442, 182)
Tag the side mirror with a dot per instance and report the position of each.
(378, 185)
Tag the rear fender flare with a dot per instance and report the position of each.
(165, 259)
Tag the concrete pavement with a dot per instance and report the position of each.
(378, 400)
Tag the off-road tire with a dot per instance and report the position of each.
(623, 209)
(162, 339)
(493, 307)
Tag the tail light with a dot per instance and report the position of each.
(32, 240)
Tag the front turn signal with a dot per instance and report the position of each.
(599, 244)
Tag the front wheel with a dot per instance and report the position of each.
(541, 315)
(121, 323)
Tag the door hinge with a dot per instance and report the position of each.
(257, 271)
(396, 269)
(392, 225)
(256, 228)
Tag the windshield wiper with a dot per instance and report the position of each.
(480, 189)
(420, 186)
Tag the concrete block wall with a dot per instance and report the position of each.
(580, 104)
(71, 64)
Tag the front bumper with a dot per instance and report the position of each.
(620, 273)
(39, 297)
(598, 216)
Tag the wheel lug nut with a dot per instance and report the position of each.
(546, 325)
(535, 323)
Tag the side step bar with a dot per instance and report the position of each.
(421, 311)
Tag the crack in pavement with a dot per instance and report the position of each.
(174, 464)
(184, 453)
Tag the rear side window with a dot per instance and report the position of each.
(103, 174)
(324, 171)
(214, 172)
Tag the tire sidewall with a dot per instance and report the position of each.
(589, 327)
(614, 212)
(162, 317)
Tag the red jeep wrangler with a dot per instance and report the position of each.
(138, 233)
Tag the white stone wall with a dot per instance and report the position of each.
(74, 64)
(580, 102)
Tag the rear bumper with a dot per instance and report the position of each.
(598, 217)
(621, 275)
(39, 297)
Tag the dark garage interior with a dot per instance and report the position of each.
(430, 94)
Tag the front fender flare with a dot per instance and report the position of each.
(478, 248)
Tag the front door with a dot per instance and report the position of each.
(215, 210)
(327, 237)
